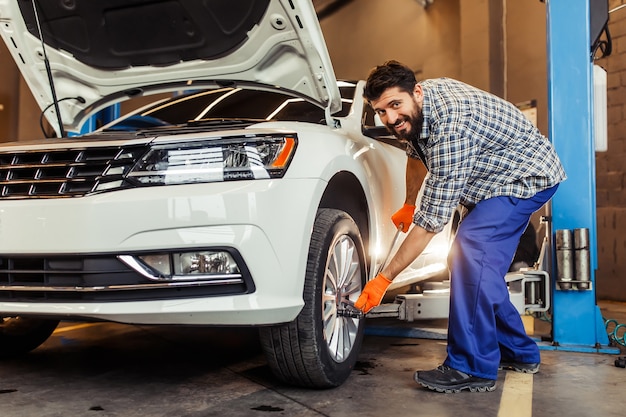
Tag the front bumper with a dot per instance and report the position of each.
(267, 222)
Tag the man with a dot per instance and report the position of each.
(472, 148)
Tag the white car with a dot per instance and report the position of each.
(253, 195)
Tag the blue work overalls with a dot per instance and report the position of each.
(483, 325)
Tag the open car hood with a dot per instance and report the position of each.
(103, 52)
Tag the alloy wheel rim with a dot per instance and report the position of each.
(342, 286)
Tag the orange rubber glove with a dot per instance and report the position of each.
(373, 293)
(403, 217)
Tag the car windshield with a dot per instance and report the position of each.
(230, 104)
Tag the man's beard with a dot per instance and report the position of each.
(416, 120)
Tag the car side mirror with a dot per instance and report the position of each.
(376, 132)
(381, 134)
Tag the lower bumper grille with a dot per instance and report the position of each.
(99, 278)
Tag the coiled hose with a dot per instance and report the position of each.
(616, 331)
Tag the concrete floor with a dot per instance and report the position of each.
(104, 369)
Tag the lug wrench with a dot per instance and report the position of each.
(393, 244)
(350, 310)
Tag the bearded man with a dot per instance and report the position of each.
(465, 146)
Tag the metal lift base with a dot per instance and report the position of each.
(407, 332)
(579, 348)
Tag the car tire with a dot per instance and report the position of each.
(319, 348)
(20, 335)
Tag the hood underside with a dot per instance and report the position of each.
(102, 52)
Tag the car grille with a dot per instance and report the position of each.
(64, 172)
(99, 278)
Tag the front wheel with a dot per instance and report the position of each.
(319, 348)
(22, 334)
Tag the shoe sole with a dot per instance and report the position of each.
(518, 369)
(475, 387)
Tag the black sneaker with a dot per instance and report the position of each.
(448, 380)
(527, 368)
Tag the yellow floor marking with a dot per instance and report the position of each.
(75, 327)
(517, 395)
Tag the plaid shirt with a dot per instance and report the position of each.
(477, 146)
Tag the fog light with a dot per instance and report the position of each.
(193, 263)
(184, 266)
(160, 263)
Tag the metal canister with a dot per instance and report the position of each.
(564, 259)
(582, 266)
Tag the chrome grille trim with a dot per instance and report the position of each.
(57, 173)
(103, 277)
(122, 287)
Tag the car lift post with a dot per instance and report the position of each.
(101, 118)
(577, 323)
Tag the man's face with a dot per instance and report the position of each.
(400, 111)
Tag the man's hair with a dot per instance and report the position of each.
(390, 74)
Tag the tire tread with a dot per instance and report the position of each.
(290, 349)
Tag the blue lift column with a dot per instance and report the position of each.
(577, 323)
(103, 117)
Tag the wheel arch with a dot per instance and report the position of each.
(344, 192)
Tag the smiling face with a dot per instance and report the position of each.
(400, 111)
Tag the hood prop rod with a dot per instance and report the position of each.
(49, 73)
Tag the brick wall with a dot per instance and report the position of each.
(9, 103)
(611, 167)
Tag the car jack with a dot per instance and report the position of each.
(528, 289)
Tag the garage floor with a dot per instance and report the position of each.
(104, 369)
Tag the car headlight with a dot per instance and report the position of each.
(239, 158)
